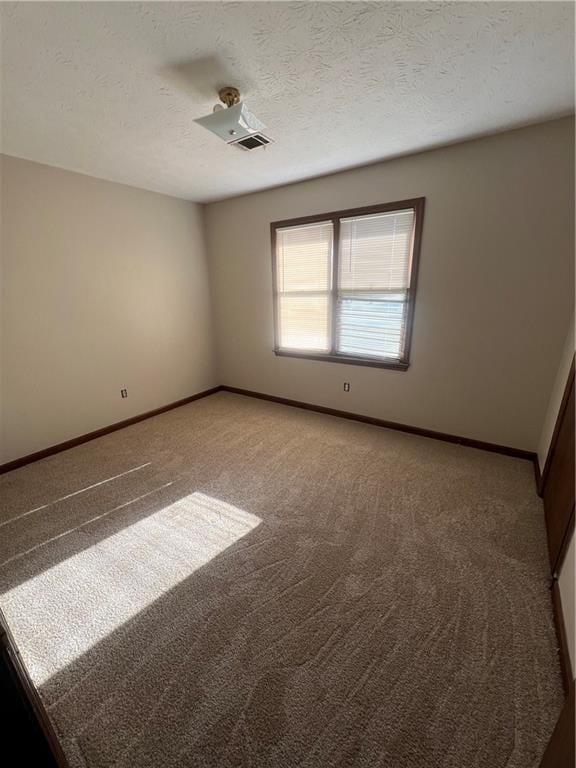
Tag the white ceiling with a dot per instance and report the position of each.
(111, 89)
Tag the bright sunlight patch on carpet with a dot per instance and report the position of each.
(97, 590)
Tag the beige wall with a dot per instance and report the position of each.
(495, 288)
(104, 287)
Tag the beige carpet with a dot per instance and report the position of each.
(239, 583)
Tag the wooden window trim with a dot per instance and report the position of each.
(417, 205)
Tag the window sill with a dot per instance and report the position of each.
(394, 365)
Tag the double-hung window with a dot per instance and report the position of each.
(345, 284)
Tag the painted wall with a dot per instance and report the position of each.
(495, 287)
(104, 287)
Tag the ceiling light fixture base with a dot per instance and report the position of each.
(229, 95)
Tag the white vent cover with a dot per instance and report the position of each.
(236, 125)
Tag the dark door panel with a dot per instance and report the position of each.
(560, 750)
(558, 491)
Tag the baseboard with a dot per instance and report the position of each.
(518, 453)
(538, 476)
(23, 460)
(447, 438)
(565, 664)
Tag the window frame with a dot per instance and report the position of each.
(417, 204)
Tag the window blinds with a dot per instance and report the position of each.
(374, 278)
(358, 309)
(304, 284)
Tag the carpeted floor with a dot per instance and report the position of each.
(239, 583)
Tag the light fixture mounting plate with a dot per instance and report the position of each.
(229, 95)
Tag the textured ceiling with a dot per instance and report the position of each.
(111, 89)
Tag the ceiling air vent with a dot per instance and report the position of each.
(252, 142)
(235, 124)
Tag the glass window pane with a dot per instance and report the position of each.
(304, 257)
(304, 322)
(375, 251)
(371, 325)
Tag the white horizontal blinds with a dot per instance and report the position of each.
(373, 281)
(303, 285)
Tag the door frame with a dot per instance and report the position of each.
(561, 632)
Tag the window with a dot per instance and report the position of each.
(345, 283)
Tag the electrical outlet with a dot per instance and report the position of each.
(346, 386)
(124, 392)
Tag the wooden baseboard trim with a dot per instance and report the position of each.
(538, 476)
(565, 664)
(22, 461)
(466, 441)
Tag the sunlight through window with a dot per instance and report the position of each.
(90, 594)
